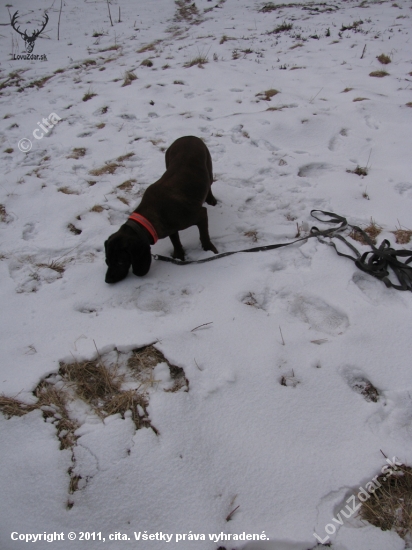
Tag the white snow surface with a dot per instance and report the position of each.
(288, 456)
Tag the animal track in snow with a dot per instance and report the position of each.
(314, 169)
(319, 315)
(404, 189)
(359, 383)
(29, 275)
(336, 140)
(29, 231)
(373, 290)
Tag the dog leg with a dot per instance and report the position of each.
(202, 224)
(210, 199)
(178, 251)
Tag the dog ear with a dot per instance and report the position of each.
(141, 259)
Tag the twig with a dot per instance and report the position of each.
(229, 516)
(283, 341)
(315, 95)
(110, 15)
(367, 164)
(58, 24)
(364, 50)
(197, 365)
(119, 16)
(204, 325)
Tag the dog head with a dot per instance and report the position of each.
(124, 249)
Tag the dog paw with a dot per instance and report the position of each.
(211, 247)
(179, 255)
(211, 200)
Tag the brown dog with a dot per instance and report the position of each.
(169, 205)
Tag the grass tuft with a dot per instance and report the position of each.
(282, 28)
(359, 171)
(379, 74)
(384, 59)
(268, 94)
(200, 60)
(390, 505)
(127, 185)
(129, 76)
(372, 230)
(89, 95)
(108, 168)
(402, 236)
(77, 153)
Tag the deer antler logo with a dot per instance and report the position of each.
(29, 40)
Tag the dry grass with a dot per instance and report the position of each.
(77, 153)
(73, 229)
(199, 60)
(147, 63)
(92, 382)
(361, 99)
(149, 47)
(67, 191)
(390, 505)
(10, 406)
(402, 236)
(3, 214)
(267, 94)
(359, 171)
(96, 208)
(379, 74)
(186, 10)
(346, 90)
(127, 156)
(384, 59)
(409, 104)
(144, 360)
(112, 48)
(252, 235)
(52, 401)
(282, 28)
(100, 387)
(372, 230)
(108, 168)
(127, 185)
(55, 265)
(88, 95)
(129, 76)
(39, 83)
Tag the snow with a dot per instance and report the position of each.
(273, 344)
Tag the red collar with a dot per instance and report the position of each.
(146, 224)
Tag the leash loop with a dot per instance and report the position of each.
(376, 262)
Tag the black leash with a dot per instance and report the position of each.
(376, 262)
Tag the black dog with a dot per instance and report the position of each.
(169, 205)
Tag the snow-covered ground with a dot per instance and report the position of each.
(273, 432)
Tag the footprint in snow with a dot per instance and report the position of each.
(336, 141)
(404, 189)
(29, 231)
(319, 315)
(359, 383)
(314, 169)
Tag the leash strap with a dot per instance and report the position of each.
(376, 262)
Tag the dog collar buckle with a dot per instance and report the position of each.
(141, 220)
